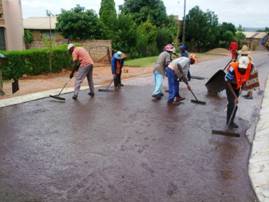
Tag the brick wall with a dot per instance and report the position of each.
(100, 50)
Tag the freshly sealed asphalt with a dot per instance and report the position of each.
(123, 147)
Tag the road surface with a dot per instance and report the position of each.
(122, 147)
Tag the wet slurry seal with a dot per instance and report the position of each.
(119, 147)
(122, 146)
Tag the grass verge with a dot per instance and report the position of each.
(141, 62)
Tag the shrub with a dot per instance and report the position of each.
(34, 62)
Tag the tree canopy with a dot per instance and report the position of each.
(143, 10)
(79, 23)
(108, 15)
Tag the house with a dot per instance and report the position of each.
(42, 29)
(254, 40)
(11, 27)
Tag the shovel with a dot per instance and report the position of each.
(57, 97)
(217, 83)
(227, 131)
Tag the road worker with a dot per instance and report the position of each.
(83, 66)
(178, 70)
(237, 75)
(159, 70)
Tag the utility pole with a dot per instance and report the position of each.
(50, 40)
(184, 23)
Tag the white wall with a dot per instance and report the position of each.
(14, 24)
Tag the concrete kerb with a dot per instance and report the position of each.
(36, 96)
(259, 157)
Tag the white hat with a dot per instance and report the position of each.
(70, 46)
(118, 55)
(243, 62)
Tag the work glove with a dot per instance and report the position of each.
(71, 75)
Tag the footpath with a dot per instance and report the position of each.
(259, 160)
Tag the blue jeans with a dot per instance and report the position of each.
(158, 79)
(173, 84)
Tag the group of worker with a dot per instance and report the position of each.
(240, 74)
(83, 66)
(237, 75)
(176, 70)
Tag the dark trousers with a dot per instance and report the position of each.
(231, 105)
(117, 80)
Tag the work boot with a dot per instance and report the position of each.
(173, 102)
(91, 94)
(247, 96)
(75, 97)
(179, 98)
(233, 125)
(121, 85)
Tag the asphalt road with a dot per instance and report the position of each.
(122, 147)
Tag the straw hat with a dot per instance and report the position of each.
(244, 50)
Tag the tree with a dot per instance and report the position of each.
(125, 35)
(240, 37)
(108, 16)
(143, 10)
(28, 38)
(201, 29)
(146, 39)
(79, 23)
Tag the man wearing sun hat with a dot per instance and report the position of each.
(83, 66)
(178, 70)
(253, 81)
(117, 63)
(237, 75)
(163, 60)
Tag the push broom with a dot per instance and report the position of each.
(57, 97)
(227, 131)
(196, 101)
(107, 89)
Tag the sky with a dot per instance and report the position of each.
(248, 13)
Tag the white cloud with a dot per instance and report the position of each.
(248, 13)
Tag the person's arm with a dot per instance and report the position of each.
(113, 66)
(184, 78)
(75, 66)
(229, 77)
(232, 90)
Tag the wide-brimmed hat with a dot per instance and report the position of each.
(70, 46)
(120, 55)
(169, 48)
(244, 50)
(243, 62)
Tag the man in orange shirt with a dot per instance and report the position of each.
(83, 65)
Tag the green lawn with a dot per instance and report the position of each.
(141, 62)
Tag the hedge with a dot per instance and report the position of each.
(34, 62)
